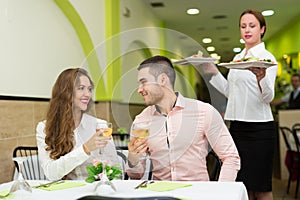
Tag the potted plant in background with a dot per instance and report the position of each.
(122, 131)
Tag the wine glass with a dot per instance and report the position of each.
(105, 185)
(141, 130)
(20, 183)
(106, 130)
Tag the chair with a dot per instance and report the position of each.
(286, 133)
(149, 169)
(296, 130)
(292, 157)
(31, 167)
(123, 161)
(214, 165)
(121, 141)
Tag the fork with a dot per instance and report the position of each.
(45, 185)
(144, 184)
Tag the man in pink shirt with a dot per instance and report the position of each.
(181, 129)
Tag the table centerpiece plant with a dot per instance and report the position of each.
(95, 171)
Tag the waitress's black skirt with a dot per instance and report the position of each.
(255, 143)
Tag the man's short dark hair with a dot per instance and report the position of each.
(296, 75)
(158, 65)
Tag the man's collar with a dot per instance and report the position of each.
(177, 104)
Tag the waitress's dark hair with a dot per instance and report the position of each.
(257, 14)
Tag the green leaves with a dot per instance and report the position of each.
(112, 172)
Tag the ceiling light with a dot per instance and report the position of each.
(242, 41)
(206, 40)
(211, 48)
(192, 11)
(267, 13)
(237, 49)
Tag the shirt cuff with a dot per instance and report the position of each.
(214, 79)
(82, 153)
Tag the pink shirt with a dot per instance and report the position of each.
(178, 143)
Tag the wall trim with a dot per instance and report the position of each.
(17, 98)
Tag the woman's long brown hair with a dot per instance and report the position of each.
(59, 120)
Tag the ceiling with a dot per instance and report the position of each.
(219, 20)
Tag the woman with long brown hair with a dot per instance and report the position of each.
(67, 140)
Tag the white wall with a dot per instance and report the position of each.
(93, 16)
(143, 26)
(37, 43)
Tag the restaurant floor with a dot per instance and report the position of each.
(279, 190)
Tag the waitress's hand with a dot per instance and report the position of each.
(260, 73)
(136, 148)
(209, 68)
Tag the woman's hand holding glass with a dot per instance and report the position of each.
(104, 130)
(99, 140)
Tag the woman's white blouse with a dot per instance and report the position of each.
(245, 100)
(73, 164)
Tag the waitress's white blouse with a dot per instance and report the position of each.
(245, 101)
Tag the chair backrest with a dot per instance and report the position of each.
(121, 141)
(31, 168)
(214, 165)
(123, 160)
(286, 132)
(297, 125)
(149, 169)
(296, 132)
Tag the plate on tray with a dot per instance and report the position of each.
(246, 64)
(195, 60)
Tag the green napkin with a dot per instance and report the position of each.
(62, 186)
(166, 186)
(11, 196)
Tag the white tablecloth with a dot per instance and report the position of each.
(198, 190)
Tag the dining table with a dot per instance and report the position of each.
(126, 189)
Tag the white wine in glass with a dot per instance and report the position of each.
(105, 185)
(141, 131)
(141, 134)
(106, 128)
